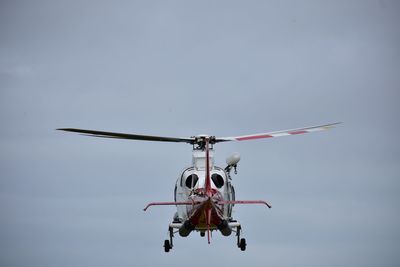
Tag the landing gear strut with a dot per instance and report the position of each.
(168, 243)
(241, 242)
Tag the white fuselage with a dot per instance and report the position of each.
(193, 178)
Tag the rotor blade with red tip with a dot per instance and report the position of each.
(278, 133)
(128, 136)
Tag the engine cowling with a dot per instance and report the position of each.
(186, 229)
(224, 228)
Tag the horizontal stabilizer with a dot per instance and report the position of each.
(245, 202)
(197, 202)
(170, 204)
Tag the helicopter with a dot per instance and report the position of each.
(204, 195)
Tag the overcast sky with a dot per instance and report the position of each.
(182, 68)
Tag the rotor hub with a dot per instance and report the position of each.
(199, 142)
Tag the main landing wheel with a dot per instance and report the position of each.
(167, 246)
(168, 243)
(242, 244)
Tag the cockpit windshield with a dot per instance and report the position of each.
(191, 181)
(217, 180)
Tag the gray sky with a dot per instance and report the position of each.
(181, 68)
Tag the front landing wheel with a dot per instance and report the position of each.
(167, 246)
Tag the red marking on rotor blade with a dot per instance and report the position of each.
(253, 137)
(298, 132)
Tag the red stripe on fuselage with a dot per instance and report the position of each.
(203, 204)
(208, 178)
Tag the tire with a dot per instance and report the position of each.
(242, 244)
(167, 246)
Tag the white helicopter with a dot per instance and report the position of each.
(204, 194)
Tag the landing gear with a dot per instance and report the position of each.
(241, 242)
(167, 246)
(235, 226)
(168, 243)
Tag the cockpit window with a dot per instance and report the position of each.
(217, 180)
(191, 181)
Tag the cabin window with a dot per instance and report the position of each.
(191, 181)
(217, 180)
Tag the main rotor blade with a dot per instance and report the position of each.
(278, 133)
(128, 136)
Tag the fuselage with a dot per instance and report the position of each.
(190, 187)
